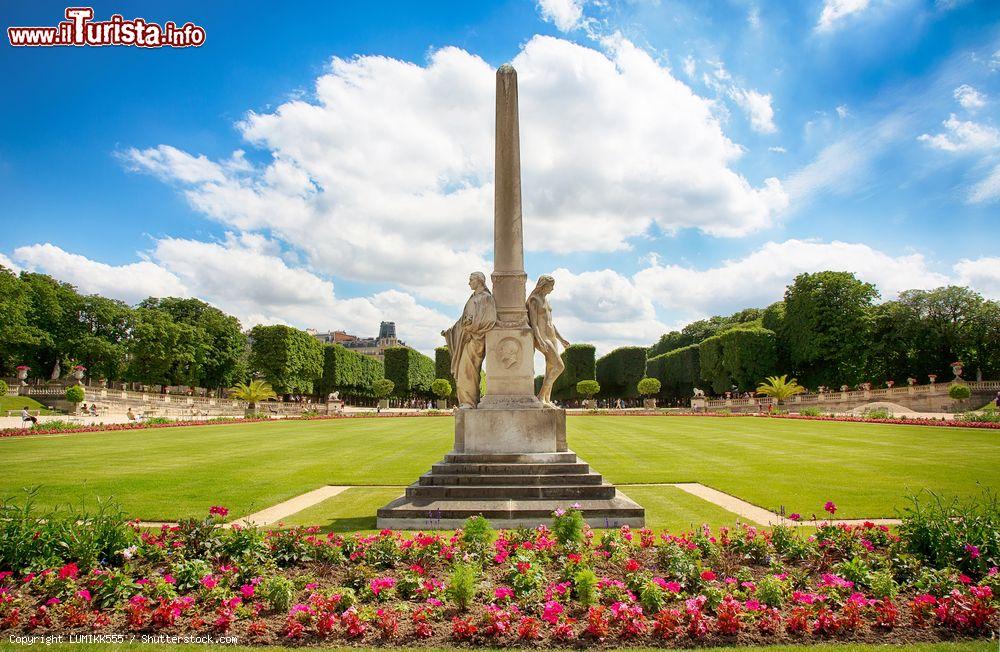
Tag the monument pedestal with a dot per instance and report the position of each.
(513, 467)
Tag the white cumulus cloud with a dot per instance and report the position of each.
(564, 14)
(969, 97)
(758, 108)
(963, 136)
(835, 11)
(385, 175)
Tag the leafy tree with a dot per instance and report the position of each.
(161, 351)
(827, 327)
(441, 388)
(254, 392)
(290, 359)
(780, 388)
(619, 371)
(52, 318)
(17, 334)
(102, 343)
(222, 350)
(959, 392)
(698, 331)
(383, 388)
(410, 371)
(648, 387)
(580, 365)
(748, 354)
(588, 388)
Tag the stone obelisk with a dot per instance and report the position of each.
(510, 462)
(509, 346)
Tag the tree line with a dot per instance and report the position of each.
(828, 330)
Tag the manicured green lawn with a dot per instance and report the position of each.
(964, 646)
(10, 403)
(167, 473)
(868, 470)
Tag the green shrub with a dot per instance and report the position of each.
(588, 388)
(383, 387)
(3, 388)
(772, 591)
(986, 416)
(649, 386)
(462, 584)
(75, 394)
(477, 535)
(277, 591)
(943, 533)
(810, 412)
(568, 527)
(651, 596)
(619, 371)
(188, 573)
(878, 413)
(410, 371)
(856, 570)
(585, 587)
(959, 392)
(883, 585)
(441, 388)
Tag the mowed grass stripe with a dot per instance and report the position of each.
(867, 469)
(169, 473)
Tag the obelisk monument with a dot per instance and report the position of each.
(510, 378)
(510, 461)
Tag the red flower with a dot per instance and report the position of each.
(707, 575)
(69, 571)
(632, 565)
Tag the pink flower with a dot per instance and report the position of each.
(830, 507)
(83, 594)
(209, 582)
(168, 578)
(503, 592)
(69, 571)
(247, 591)
(218, 510)
(795, 516)
(551, 611)
(972, 550)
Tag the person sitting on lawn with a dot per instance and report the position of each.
(27, 418)
(130, 415)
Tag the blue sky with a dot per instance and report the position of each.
(329, 165)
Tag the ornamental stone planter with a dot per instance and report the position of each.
(441, 403)
(649, 403)
(384, 403)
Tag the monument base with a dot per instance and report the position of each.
(499, 430)
(511, 490)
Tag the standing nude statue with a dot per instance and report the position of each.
(546, 336)
(467, 340)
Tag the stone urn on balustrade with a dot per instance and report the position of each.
(22, 373)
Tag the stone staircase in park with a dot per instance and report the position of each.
(511, 490)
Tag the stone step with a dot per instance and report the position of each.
(567, 457)
(549, 479)
(448, 514)
(511, 492)
(555, 468)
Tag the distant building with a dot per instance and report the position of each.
(373, 346)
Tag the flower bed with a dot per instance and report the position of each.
(559, 586)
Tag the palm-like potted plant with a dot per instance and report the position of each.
(254, 392)
(780, 388)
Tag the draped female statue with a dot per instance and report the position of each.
(467, 340)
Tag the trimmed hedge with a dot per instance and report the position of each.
(290, 359)
(741, 357)
(580, 365)
(442, 366)
(410, 371)
(678, 371)
(349, 372)
(620, 371)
